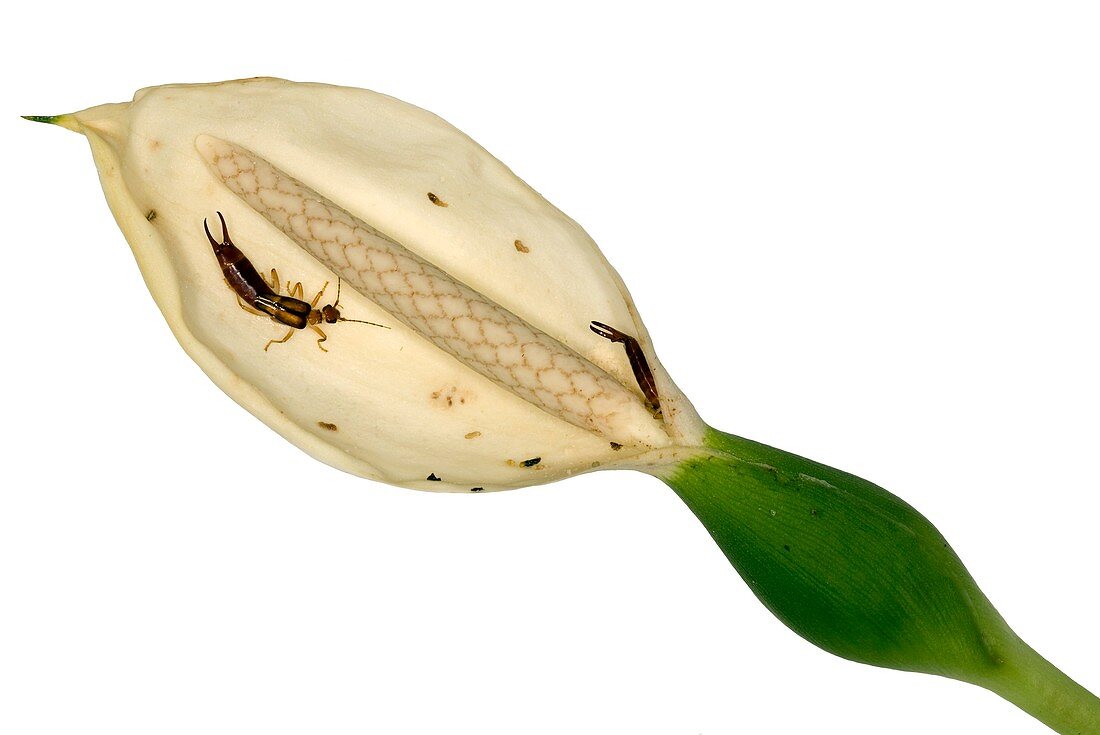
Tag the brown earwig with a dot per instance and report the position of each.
(638, 364)
(256, 296)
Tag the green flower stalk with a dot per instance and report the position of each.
(511, 355)
(861, 574)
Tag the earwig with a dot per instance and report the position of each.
(255, 296)
(638, 364)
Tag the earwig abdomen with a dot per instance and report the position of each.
(250, 286)
(238, 270)
(242, 275)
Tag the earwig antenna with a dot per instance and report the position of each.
(360, 321)
(339, 281)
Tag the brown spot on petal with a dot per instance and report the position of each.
(521, 247)
(451, 396)
(436, 200)
(327, 426)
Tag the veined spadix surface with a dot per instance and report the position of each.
(488, 375)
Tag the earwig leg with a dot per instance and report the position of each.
(248, 308)
(242, 304)
(638, 363)
(324, 336)
(297, 291)
(288, 335)
(318, 296)
(275, 280)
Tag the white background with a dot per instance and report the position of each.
(867, 235)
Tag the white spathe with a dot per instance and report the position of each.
(489, 361)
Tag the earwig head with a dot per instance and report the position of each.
(331, 312)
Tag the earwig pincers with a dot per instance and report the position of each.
(638, 364)
(256, 296)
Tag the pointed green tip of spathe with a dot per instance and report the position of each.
(65, 121)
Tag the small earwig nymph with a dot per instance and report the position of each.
(638, 364)
(256, 296)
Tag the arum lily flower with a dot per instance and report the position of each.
(512, 355)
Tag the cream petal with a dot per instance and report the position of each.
(485, 339)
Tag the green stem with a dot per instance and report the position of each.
(861, 574)
(1039, 688)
